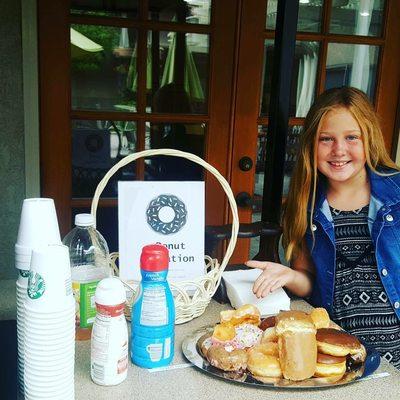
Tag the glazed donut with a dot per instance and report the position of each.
(227, 360)
(320, 317)
(246, 314)
(330, 366)
(263, 362)
(269, 335)
(337, 343)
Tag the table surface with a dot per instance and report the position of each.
(181, 381)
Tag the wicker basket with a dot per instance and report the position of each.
(187, 306)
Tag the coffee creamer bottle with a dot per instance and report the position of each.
(153, 312)
(109, 345)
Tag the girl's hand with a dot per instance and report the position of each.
(273, 276)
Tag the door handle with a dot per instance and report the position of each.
(244, 199)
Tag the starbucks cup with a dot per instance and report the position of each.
(49, 283)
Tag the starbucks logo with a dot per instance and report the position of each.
(166, 214)
(36, 285)
(24, 273)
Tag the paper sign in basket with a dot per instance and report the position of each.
(170, 213)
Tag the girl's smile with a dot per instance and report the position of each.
(340, 148)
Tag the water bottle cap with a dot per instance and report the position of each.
(110, 292)
(155, 257)
(84, 220)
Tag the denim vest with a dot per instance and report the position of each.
(384, 226)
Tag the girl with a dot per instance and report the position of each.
(341, 225)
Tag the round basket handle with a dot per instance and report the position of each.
(177, 153)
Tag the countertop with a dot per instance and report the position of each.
(183, 382)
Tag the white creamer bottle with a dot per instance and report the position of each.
(109, 345)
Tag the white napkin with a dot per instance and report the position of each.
(239, 285)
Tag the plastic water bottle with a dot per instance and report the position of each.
(109, 345)
(153, 312)
(89, 257)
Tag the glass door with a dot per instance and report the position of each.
(133, 76)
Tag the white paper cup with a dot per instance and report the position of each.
(49, 283)
(48, 314)
(38, 224)
(61, 394)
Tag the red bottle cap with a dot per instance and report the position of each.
(154, 258)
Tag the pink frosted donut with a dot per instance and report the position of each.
(247, 335)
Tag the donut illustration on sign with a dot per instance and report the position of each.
(166, 214)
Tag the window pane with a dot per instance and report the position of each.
(103, 68)
(96, 147)
(309, 19)
(304, 75)
(292, 144)
(357, 17)
(177, 72)
(180, 136)
(117, 8)
(189, 11)
(352, 65)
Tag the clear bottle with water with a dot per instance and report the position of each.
(89, 256)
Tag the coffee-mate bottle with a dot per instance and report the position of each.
(153, 312)
(109, 345)
(89, 257)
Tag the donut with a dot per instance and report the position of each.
(269, 335)
(233, 360)
(268, 322)
(247, 335)
(297, 345)
(320, 317)
(263, 362)
(337, 343)
(204, 343)
(246, 314)
(330, 366)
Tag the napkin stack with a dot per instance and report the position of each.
(239, 285)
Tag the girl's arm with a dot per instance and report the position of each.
(298, 279)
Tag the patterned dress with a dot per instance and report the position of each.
(361, 305)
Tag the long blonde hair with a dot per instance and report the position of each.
(306, 178)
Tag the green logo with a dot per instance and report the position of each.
(24, 273)
(36, 285)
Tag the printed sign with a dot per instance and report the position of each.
(169, 213)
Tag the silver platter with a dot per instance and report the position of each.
(354, 374)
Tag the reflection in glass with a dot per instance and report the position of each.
(189, 11)
(177, 72)
(357, 17)
(352, 65)
(309, 18)
(180, 136)
(102, 68)
(96, 147)
(304, 77)
(117, 8)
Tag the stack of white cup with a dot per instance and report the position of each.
(38, 226)
(49, 326)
